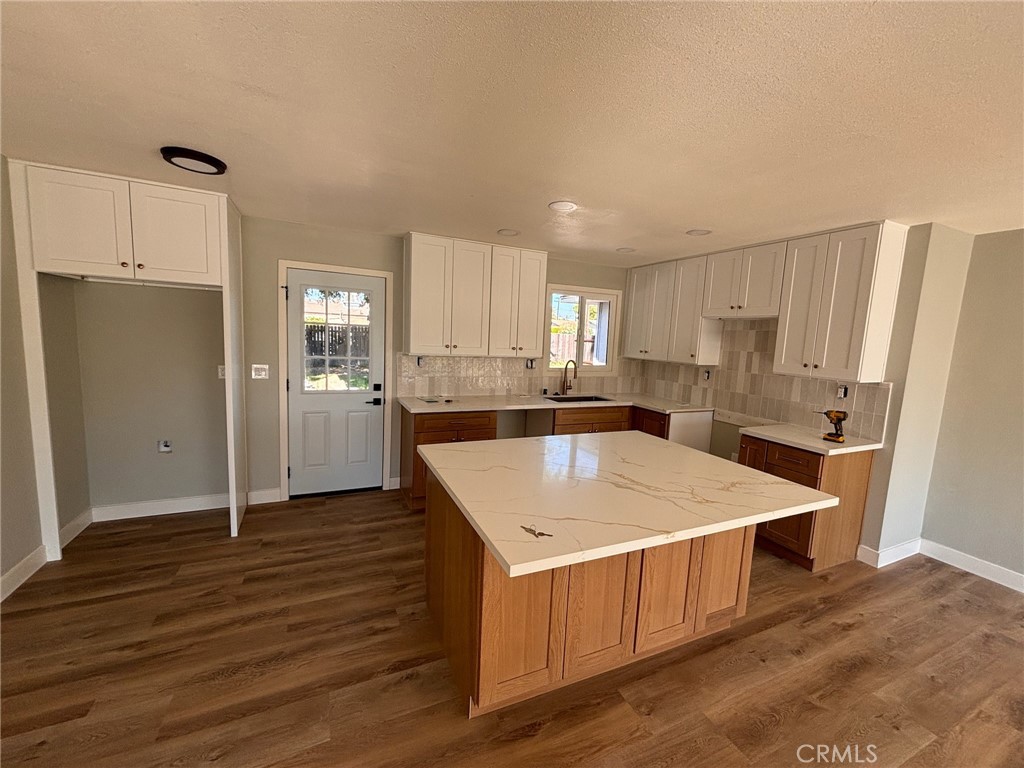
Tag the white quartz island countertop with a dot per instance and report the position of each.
(809, 439)
(445, 404)
(545, 502)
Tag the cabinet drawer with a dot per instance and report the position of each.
(591, 415)
(572, 429)
(466, 435)
(794, 459)
(793, 476)
(611, 426)
(434, 422)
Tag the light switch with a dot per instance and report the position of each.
(164, 446)
(260, 371)
(221, 373)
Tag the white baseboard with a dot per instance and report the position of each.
(972, 564)
(75, 527)
(881, 558)
(394, 483)
(265, 496)
(159, 507)
(21, 572)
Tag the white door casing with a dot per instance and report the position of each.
(336, 349)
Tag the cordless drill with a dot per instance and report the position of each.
(837, 418)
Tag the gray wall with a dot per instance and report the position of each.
(149, 360)
(64, 395)
(976, 499)
(19, 506)
(587, 275)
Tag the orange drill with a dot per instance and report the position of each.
(837, 418)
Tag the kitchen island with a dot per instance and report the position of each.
(551, 559)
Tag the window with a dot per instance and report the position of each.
(582, 328)
(336, 348)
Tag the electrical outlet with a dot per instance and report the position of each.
(842, 392)
(260, 371)
(164, 446)
(221, 373)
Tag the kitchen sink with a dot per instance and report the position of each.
(577, 398)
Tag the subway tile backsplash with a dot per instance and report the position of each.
(743, 383)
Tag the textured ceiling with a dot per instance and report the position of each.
(756, 121)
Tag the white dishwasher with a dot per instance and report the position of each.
(691, 428)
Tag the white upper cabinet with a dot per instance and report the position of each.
(81, 223)
(650, 311)
(760, 287)
(447, 288)
(471, 298)
(518, 296)
(838, 303)
(177, 234)
(745, 283)
(693, 339)
(101, 226)
(722, 283)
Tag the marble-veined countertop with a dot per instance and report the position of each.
(809, 439)
(545, 502)
(450, 404)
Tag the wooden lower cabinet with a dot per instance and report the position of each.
(433, 428)
(575, 421)
(508, 639)
(651, 422)
(821, 539)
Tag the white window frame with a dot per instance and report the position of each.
(601, 294)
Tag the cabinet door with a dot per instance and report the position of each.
(504, 310)
(600, 625)
(522, 646)
(638, 312)
(533, 315)
(428, 269)
(722, 284)
(419, 469)
(795, 533)
(760, 288)
(687, 308)
(471, 294)
(650, 422)
(176, 233)
(81, 224)
(845, 299)
(798, 310)
(753, 452)
(662, 288)
(669, 578)
(724, 578)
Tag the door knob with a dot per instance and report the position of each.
(375, 401)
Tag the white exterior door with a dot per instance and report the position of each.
(845, 297)
(686, 310)
(639, 312)
(800, 305)
(533, 313)
(503, 334)
(470, 298)
(81, 224)
(761, 281)
(335, 381)
(176, 234)
(659, 310)
(721, 283)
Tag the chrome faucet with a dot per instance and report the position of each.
(566, 384)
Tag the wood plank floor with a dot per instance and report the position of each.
(305, 642)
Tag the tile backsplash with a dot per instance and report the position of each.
(503, 375)
(743, 383)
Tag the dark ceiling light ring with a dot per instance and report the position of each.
(193, 160)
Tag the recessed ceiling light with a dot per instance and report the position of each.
(625, 250)
(563, 206)
(508, 232)
(698, 232)
(193, 160)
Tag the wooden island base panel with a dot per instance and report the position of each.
(511, 638)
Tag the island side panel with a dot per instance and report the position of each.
(454, 575)
(837, 530)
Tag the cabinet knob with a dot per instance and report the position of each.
(449, 346)
(731, 307)
(815, 365)
(513, 347)
(740, 306)
(140, 266)
(455, 346)
(692, 355)
(805, 365)
(520, 348)
(124, 263)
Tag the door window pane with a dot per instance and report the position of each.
(315, 379)
(336, 340)
(359, 377)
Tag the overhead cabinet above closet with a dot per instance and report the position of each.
(100, 226)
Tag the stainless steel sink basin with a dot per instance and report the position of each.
(577, 398)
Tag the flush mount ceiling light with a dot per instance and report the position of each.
(625, 250)
(508, 232)
(193, 160)
(698, 232)
(563, 206)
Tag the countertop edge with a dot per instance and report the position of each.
(824, 449)
(461, 406)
